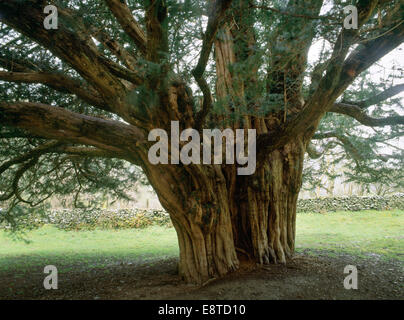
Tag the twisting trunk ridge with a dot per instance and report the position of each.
(223, 219)
(265, 206)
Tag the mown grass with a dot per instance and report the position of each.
(358, 233)
(71, 250)
(363, 233)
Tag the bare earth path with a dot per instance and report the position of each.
(310, 275)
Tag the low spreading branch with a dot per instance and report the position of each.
(58, 82)
(60, 124)
(31, 158)
(26, 161)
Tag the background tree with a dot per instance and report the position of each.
(79, 101)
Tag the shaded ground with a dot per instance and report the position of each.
(310, 275)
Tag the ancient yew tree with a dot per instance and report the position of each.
(78, 102)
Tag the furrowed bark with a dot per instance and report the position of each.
(74, 47)
(196, 199)
(265, 216)
(60, 83)
(157, 31)
(224, 221)
(124, 16)
(60, 124)
(28, 19)
(217, 10)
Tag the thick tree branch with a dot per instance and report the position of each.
(121, 72)
(58, 82)
(14, 64)
(63, 125)
(116, 48)
(366, 55)
(336, 80)
(292, 14)
(88, 152)
(157, 31)
(387, 94)
(286, 71)
(358, 113)
(73, 47)
(131, 74)
(125, 18)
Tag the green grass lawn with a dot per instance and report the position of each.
(89, 249)
(358, 233)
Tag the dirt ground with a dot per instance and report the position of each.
(309, 275)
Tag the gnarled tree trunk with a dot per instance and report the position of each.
(265, 213)
(223, 220)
